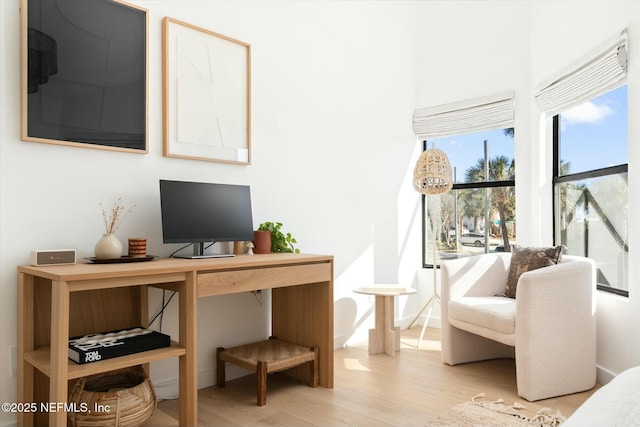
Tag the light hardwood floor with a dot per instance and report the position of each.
(370, 390)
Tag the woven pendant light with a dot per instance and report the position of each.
(432, 174)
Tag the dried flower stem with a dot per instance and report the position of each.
(112, 222)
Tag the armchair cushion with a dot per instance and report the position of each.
(528, 259)
(495, 313)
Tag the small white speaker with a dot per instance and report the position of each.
(53, 257)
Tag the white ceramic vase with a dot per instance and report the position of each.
(108, 247)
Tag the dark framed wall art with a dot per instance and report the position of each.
(84, 78)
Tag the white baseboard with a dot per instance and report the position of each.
(168, 389)
(603, 376)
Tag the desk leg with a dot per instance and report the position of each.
(303, 315)
(188, 364)
(59, 350)
(143, 319)
(25, 344)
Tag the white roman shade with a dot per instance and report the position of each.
(490, 112)
(598, 72)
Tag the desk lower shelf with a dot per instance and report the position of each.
(40, 359)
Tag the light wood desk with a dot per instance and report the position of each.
(57, 302)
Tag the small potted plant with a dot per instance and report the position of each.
(280, 242)
(261, 242)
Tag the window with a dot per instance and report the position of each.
(591, 188)
(478, 214)
(477, 136)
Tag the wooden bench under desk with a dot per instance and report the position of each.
(56, 302)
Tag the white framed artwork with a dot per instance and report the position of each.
(206, 95)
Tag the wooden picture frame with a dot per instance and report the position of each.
(84, 74)
(206, 95)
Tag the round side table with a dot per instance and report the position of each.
(385, 337)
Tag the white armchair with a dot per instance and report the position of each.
(549, 328)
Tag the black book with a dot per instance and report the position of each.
(107, 345)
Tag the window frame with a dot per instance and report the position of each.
(594, 173)
(456, 186)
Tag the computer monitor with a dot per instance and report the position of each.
(200, 212)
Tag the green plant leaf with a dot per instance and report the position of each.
(280, 242)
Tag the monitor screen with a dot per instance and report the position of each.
(198, 212)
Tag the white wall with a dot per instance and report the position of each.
(333, 94)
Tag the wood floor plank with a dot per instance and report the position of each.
(370, 390)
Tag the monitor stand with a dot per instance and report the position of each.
(204, 256)
(198, 253)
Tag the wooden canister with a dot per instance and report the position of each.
(137, 247)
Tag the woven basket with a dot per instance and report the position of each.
(127, 395)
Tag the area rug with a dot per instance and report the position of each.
(483, 413)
